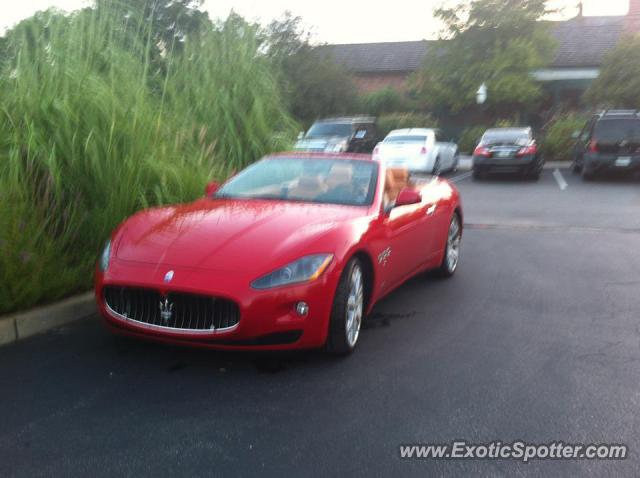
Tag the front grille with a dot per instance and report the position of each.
(176, 310)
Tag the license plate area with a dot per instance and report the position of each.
(623, 161)
(503, 154)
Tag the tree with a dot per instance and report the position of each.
(313, 83)
(618, 85)
(385, 100)
(498, 42)
(170, 21)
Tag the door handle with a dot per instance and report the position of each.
(431, 209)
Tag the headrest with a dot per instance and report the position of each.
(340, 173)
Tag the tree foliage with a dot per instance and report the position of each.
(385, 100)
(313, 83)
(618, 85)
(168, 21)
(498, 42)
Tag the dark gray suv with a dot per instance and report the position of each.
(609, 142)
(338, 135)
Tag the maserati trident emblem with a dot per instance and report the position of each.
(168, 277)
(166, 310)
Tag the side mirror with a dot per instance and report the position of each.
(408, 196)
(301, 135)
(211, 188)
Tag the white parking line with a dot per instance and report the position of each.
(562, 184)
(455, 179)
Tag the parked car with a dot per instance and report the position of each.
(609, 142)
(337, 135)
(290, 253)
(417, 149)
(507, 150)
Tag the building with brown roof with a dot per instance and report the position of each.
(582, 44)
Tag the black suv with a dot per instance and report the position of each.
(337, 135)
(609, 142)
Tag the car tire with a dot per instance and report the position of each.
(534, 176)
(347, 312)
(449, 263)
(456, 160)
(477, 175)
(576, 168)
(587, 175)
(435, 171)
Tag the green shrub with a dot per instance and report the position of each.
(391, 121)
(385, 100)
(469, 138)
(95, 124)
(557, 140)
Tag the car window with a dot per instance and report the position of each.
(371, 129)
(348, 182)
(414, 138)
(615, 130)
(506, 137)
(329, 129)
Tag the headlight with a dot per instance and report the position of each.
(303, 270)
(336, 147)
(104, 258)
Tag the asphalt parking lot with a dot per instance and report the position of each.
(537, 338)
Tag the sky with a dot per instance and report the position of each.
(330, 21)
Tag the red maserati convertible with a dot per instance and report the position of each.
(292, 252)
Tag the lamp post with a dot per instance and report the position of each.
(481, 94)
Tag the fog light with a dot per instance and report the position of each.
(302, 309)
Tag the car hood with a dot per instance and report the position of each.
(225, 234)
(318, 142)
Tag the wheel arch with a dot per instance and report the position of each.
(458, 211)
(369, 273)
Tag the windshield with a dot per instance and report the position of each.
(618, 130)
(519, 137)
(324, 181)
(329, 129)
(405, 139)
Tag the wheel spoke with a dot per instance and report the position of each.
(354, 306)
(453, 244)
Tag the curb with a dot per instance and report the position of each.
(25, 324)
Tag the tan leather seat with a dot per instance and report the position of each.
(396, 180)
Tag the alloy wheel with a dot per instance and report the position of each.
(453, 244)
(355, 306)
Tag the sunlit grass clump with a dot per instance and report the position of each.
(98, 120)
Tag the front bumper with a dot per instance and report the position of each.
(601, 163)
(268, 319)
(517, 165)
